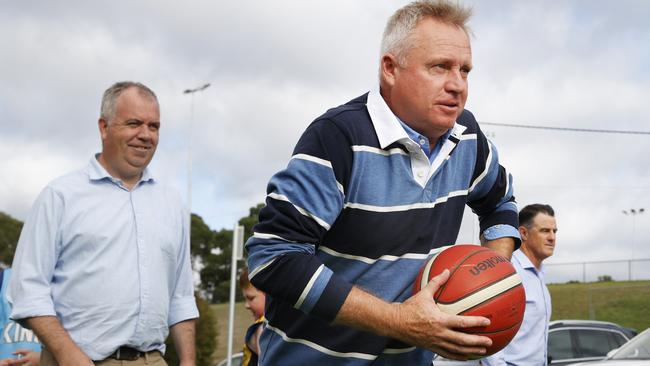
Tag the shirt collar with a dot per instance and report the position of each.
(388, 126)
(525, 261)
(412, 134)
(97, 172)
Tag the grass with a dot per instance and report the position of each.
(243, 319)
(626, 303)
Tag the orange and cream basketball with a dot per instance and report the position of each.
(481, 282)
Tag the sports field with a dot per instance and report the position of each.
(243, 319)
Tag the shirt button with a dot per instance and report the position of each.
(420, 174)
(423, 141)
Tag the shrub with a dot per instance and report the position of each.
(206, 336)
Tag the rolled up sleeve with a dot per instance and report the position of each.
(29, 290)
(182, 304)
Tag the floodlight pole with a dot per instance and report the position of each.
(189, 156)
(632, 212)
(237, 254)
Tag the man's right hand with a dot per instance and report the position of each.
(421, 323)
(417, 321)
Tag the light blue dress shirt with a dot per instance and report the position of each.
(112, 264)
(528, 348)
(424, 142)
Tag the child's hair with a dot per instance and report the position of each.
(243, 279)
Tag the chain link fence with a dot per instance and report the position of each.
(593, 271)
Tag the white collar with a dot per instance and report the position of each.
(387, 126)
(97, 172)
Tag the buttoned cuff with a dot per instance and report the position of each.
(502, 231)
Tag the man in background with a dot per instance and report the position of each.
(537, 228)
(102, 269)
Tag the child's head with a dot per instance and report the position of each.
(255, 299)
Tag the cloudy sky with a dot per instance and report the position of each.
(276, 65)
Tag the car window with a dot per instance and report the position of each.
(595, 343)
(559, 345)
(617, 339)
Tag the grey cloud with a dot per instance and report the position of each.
(275, 66)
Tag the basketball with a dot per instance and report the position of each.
(481, 282)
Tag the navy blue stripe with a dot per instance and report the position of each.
(285, 284)
(485, 184)
(325, 140)
(334, 337)
(282, 219)
(500, 217)
(263, 251)
(495, 196)
(373, 234)
(296, 354)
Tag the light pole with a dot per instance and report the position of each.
(633, 212)
(191, 92)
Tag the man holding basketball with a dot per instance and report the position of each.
(537, 227)
(375, 187)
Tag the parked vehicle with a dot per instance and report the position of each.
(635, 352)
(571, 341)
(236, 360)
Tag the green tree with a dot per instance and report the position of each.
(215, 274)
(201, 238)
(206, 336)
(215, 271)
(605, 278)
(9, 233)
(251, 220)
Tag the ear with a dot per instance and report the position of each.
(103, 127)
(523, 232)
(389, 68)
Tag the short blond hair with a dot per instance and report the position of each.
(396, 38)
